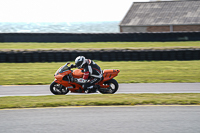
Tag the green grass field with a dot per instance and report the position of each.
(99, 100)
(130, 72)
(100, 45)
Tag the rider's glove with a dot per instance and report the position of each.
(72, 66)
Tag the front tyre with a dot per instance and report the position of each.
(58, 89)
(113, 87)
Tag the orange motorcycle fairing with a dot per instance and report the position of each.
(76, 88)
(107, 75)
(110, 73)
(72, 86)
(64, 83)
(60, 76)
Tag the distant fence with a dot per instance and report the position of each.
(113, 55)
(99, 37)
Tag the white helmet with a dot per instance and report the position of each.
(80, 61)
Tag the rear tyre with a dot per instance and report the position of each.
(58, 89)
(113, 87)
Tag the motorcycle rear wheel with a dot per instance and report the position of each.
(113, 87)
(58, 89)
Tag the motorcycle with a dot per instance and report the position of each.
(64, 82)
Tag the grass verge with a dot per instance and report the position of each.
(100, 45)
(99, 100)
(130, 72)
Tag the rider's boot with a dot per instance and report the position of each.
(88, 90)
(92, 89)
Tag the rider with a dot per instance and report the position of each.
(92, 73)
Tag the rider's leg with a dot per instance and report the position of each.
(89, 86)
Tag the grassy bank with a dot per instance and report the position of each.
(101, 45)
(99, 100)
(130, 72)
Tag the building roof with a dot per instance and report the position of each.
(163, 13)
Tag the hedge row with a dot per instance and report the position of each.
(113, 55)
(99, 37)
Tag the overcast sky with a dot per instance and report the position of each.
(64, 10)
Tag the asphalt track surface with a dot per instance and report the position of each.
(37, 90)
(135, 119)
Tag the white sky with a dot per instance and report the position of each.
(64, 10)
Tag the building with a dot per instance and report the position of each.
(162, 16)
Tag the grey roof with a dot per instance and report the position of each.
(163, 13)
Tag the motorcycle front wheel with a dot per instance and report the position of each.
(58, 89)
(113, 87)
